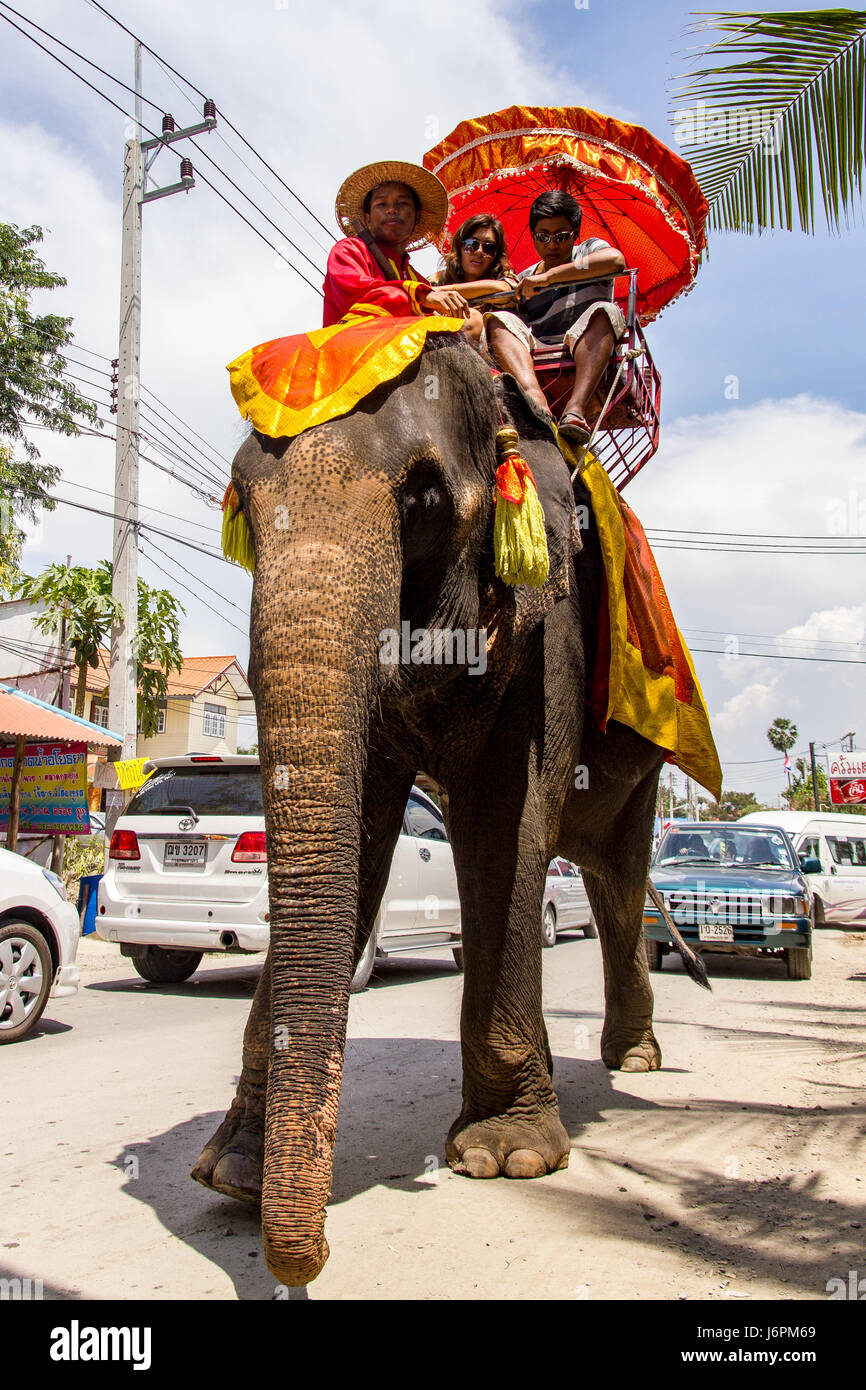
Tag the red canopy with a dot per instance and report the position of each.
(635, 193)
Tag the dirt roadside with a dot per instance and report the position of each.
(735, 1172)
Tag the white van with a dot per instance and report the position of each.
(839, 842)
(187, 873)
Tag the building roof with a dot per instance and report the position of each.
(197, 674)
(25, 716)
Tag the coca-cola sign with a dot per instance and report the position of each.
(847, 776)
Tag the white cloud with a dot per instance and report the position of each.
(753, 703)
(780, 467)
(830, 625)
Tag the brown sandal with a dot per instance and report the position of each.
(574, 428)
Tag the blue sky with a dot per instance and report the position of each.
(320, 90)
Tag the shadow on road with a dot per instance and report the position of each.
(399, 1098)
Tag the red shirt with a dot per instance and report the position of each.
(354, 280)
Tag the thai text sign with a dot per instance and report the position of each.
(847, 776)
(53, 789)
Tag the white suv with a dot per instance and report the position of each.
(187, 873)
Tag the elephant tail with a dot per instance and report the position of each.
(694, 965)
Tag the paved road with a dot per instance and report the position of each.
(736, 1171)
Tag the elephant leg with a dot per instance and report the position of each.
(231, 1161)
(615, 874)
(509, 1123)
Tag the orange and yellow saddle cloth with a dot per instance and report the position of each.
(643, 676)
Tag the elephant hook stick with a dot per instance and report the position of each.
(693, 963)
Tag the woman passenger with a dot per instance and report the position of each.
(478, 266)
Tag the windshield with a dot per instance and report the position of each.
(210, 791)
(725, 846)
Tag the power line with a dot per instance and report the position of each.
(780, 656)
(177, 417)
(168, 66)
(764, 637)
(100, 492)
(70, 49)
(203, 177)
(298, 223)
(143, 526)
(243, 611)
(147, 545)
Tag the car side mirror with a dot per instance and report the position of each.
(809, 864)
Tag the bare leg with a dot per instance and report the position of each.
(474, 325)
(591, 356)
(513, 357)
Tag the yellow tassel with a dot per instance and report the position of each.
(519, 537)
(237, 542)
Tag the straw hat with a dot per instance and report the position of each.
(434, 199)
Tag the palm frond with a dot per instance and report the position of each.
(782, 125)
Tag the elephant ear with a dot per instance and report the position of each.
(553, 480)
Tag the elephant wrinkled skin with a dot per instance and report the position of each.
(381, 517)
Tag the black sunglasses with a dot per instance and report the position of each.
(472, 243)
(556, 237)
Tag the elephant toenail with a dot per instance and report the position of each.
(635, 1064)
(477, 1163)
(238, 1175)
(524, 1163)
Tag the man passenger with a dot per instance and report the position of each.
(567, 297)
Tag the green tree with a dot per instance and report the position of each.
(781, 127)
(733, 805)
(799, 794)
(33, 389)
(83, 597)
(158, 651)
(782, 735)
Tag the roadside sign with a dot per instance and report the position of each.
(53, 789)
(847, 778)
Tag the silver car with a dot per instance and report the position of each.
(565, 902)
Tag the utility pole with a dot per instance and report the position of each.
(123, 682)
(814, 777)
(59, 842)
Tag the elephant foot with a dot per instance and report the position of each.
(231, 1162)
(507, 1146)
(619, 1054)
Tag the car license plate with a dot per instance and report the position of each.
(715, 931)
(184, 854)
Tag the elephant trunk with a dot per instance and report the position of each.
(313, 892)
(315, 675)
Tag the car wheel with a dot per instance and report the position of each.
(818, 916)
(799, 962)
(26, 973)
(654, 954)
(166, 967)
(364, 968)
(590, 929)
(457, 953)
(548, 926)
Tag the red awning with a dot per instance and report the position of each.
(24, 716)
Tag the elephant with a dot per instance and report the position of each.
(381, 517)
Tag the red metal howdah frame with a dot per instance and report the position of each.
(626, 426)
